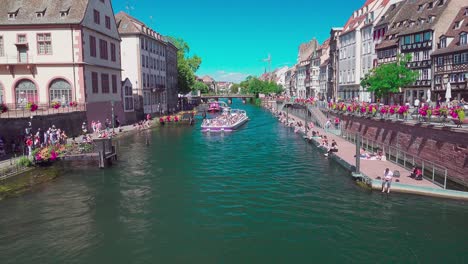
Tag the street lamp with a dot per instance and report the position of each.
(113, 117)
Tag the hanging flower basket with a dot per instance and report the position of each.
(32, 106)
(3, 108)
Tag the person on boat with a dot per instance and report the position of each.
(168, 119)
(176, 119)
(161, 121)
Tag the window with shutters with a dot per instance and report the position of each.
(95, 82)
(114, 83)
(103, 49)
(113, 55)
(92, 46)
(105, 83)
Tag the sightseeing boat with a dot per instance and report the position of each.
(229, 121)
(214, 106)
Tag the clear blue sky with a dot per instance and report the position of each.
(232, 37)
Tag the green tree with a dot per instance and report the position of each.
(234, 88)
(253, 85)
(200, 86)
(389, 78)
(186, 65)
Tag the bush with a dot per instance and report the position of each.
(25, 162)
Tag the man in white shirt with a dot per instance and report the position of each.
(416, 103)
(387, 180)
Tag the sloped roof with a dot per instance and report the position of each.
(354, 21)
(306, 50)
(27, 11)
(419, 11)
(391, 14)
(128, 25)
(455, 32)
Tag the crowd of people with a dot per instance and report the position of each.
(225, 119)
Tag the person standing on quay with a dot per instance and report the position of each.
(387, 180)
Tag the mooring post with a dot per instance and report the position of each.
(358, 153)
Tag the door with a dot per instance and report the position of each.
(22, 54)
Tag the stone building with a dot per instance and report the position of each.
(144, 64)
(324, 52)
(333, 64)
(172, 76)
(386, 35)
(303, 68)
(450, 59)
(61, 51)
(354, 56)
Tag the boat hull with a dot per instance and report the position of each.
(225, 128)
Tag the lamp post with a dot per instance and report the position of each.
(113, 117)
(446, 81)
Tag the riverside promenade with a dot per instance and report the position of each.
(373, 169)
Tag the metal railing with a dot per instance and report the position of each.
(431, 171)
(16, 111)
(10, 168)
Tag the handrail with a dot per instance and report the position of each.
(431, 171)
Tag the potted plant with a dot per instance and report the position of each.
(3, 108)
(56, 105)
(73, 104)
(31, 106)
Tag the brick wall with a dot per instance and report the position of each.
(443, 146)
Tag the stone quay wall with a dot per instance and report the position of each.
(14, 128)
(443, 146)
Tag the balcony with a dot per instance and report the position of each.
(12, 63)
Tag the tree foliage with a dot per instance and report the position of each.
(234, 88)
(200, 86)
(389, 78)
(186, 65)
(253, 85)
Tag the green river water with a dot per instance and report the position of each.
(258, 195)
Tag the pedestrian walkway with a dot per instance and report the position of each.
(374, 169)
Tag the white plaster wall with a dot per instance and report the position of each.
(61, 45)
(45, 74)
(131, 59)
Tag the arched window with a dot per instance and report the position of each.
(60, 91)
(26, 91)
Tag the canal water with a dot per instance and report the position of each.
(259, 195)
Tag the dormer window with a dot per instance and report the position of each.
(443, 42)
(463, 39)
(457, 25)
(430, 5)
(40, 14)
(13, 15)
(64, 13)
(420, 8)
(431, 19)
(441, 2)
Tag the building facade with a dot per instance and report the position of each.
(450, 59)
(61, 52)
(418, 37)
(144, 63)
(303, 80)
(333, 64)
(357, 50)
(172, 77)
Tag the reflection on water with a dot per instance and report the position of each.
(258, 195)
